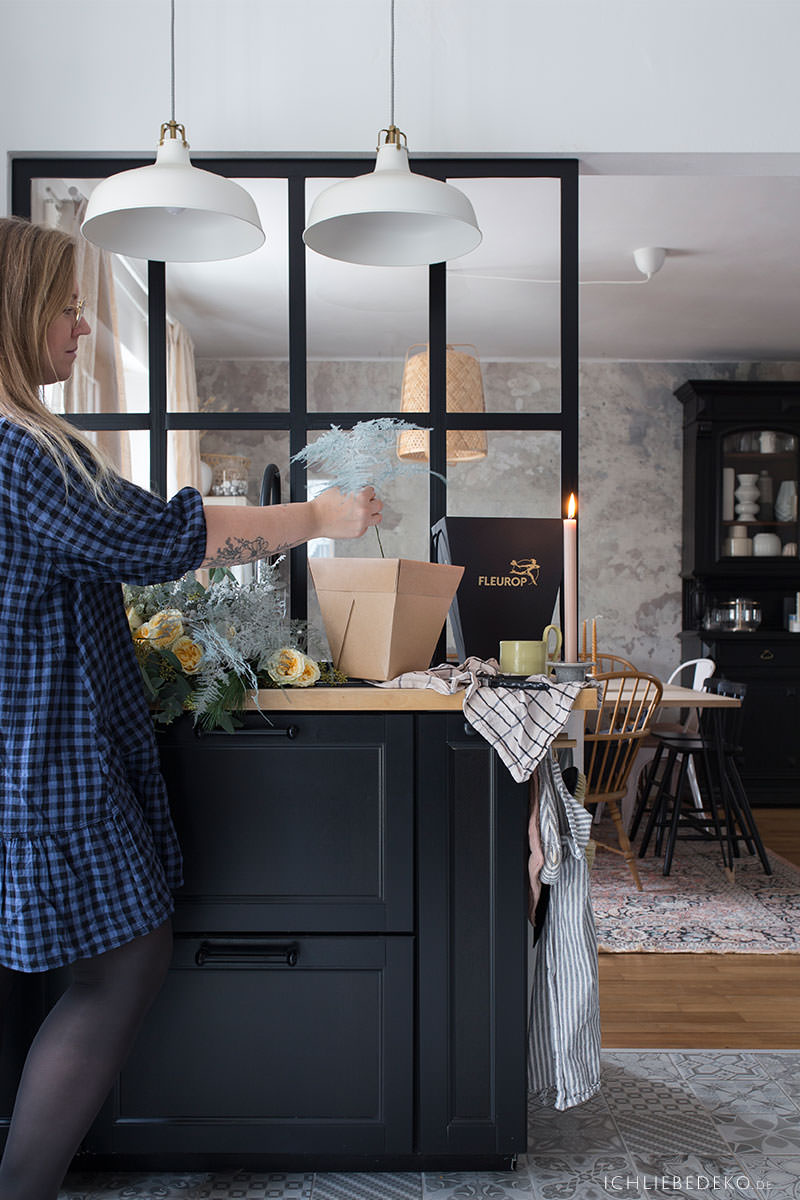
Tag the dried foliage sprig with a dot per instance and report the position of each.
(364, 456)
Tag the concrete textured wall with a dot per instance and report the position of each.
(630, 471)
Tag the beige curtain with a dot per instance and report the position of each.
(184, 446)
(97, 385)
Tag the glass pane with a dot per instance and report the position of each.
(361, 321)
(519, 477)
(231, 319)
(504, 298)
(226, 464)
(111, 373)
(758, 513)
(129, 451)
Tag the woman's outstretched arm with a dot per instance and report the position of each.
(242, 535)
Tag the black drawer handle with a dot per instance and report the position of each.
(767, 655)
(233, 952)
(290, 731)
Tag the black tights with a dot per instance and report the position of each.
(74, 1059)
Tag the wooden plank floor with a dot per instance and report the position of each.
(707, 1001)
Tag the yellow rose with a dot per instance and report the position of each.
(286, 666)
(310, 673)
(164, 628)
(188, 654)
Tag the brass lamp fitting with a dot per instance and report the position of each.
(172, 128)
(393, 136)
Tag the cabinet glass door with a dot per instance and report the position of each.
(758, 514)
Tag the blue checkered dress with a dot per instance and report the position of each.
(88, 852)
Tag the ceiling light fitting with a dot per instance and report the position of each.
(649, 259)
(392, 217)
(171, 211)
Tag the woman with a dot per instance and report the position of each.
(89, 856)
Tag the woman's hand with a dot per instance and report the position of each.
(341, 516)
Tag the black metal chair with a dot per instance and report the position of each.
(713, 750)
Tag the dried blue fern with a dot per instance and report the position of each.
(364, 456)
(238, 627)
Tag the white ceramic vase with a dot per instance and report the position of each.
(747, 497)
(786, 501)
(206, 477)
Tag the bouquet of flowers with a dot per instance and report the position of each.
(202, 649)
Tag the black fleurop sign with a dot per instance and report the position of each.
(512, 574)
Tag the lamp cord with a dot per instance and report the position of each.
(172, 56)
(391, 68)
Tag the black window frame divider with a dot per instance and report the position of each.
(298, 420)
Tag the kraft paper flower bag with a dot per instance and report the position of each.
(382, 616)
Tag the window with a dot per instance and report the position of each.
(248, 358)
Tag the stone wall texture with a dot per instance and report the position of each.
(630, 472)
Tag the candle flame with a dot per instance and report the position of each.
(572, 506)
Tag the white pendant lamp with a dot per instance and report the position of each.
(172, 211)
(392, 217)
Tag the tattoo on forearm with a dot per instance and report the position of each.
(243, 550)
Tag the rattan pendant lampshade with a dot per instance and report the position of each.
(464, 391)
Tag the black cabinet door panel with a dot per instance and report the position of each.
(770, 667)
(310, 833)
(245, 1053)
(472, 848)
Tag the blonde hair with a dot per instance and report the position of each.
(37, 273)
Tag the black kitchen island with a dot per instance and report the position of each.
(348, 988)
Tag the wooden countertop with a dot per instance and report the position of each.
(351, 698)
(365, 698)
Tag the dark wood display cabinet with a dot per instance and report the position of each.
(348, 987)
(741, 571)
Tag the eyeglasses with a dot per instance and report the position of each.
(75, 312)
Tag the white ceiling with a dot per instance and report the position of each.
(729, 289)
(681, 113)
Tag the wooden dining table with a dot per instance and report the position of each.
(673, 696)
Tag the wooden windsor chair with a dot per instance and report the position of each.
(611, 662)
(627, 703)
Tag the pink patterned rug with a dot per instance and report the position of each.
(696, 908)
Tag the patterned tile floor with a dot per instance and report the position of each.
(686, 1124)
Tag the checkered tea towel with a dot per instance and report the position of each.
(519, 724)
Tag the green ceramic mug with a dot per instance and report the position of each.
(530, 658)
